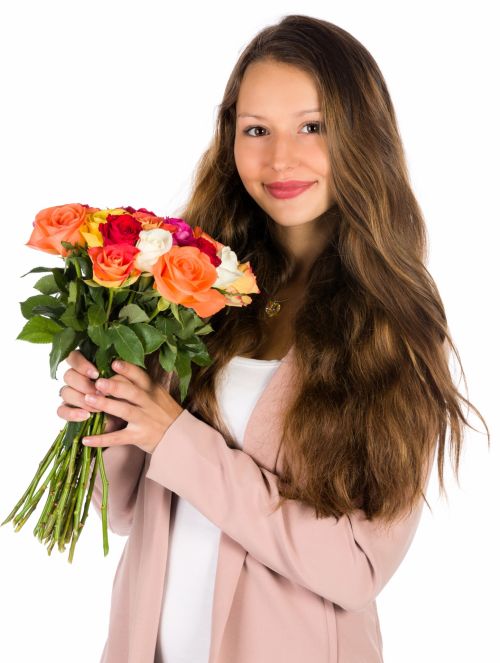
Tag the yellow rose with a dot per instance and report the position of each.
(91, 229)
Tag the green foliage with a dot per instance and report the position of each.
(39, 330)
(62, 344)
(127, 344)
(73, 311)
(133, 313)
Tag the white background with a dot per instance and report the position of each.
(112, 103)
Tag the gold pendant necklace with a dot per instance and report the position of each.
(273, 307)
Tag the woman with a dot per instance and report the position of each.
(267, 512)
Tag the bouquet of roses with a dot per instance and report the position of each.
(133, 283)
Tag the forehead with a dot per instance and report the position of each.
(268, 86)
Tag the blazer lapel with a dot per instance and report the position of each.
(261, 441)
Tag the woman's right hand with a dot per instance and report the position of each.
(79, 379)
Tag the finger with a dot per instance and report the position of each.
(134, 373)
(79, 382)
(77, 361)
(123, 389)
(107, 440)
(72, 413)
(76, 398)
(118, 408)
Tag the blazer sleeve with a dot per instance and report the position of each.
(346, 560)
(123, 465)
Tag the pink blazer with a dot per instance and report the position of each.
(289, 587)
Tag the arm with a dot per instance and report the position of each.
(347, 560)
(123, 466)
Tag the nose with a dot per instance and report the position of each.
(283, 152)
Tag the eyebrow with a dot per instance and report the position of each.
(261, 117)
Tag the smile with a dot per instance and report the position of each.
(288, 193)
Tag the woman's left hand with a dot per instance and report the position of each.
(147, 407)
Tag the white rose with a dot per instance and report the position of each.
(152, 244)
(227, 271)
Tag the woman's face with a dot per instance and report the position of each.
(283, 143)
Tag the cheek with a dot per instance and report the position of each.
(247, 160)
(318, 156)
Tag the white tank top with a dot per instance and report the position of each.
(186, 617)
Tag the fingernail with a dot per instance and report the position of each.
(83, 415)
(92, 373)
(90, 399)
(117, 364)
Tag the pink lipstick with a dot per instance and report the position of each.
(288, 189)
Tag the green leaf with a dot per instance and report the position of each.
(167, 357)
(149, 336)
(133, 313)
(149, 296)
(189, 322)
(38, 269)
(127, 344)
(201, 357)
(167, 325)
(183, 369)
(39, 330)
(96, 294)
(206, 329)
(103, 360)
(97, 315)
(47, 311)
(47, 285)
(70, 319)
(100, 336)
(92, 283)
(60, 278)
(62, 344)
(120, 296)
(88, 349)
(38, 300)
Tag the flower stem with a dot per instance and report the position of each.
(110, 301)
(41, 469)
(31, 504)
(47, 528)
(104, 504)
(69, 477)
(77, 530)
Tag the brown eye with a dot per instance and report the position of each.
(314, 124)
(246, 131)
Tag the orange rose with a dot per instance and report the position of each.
(114, 264)
(184, 275)
(57, 224)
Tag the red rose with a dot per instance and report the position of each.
(207, 247)
(120, 229)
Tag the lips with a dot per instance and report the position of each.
(286, 185)
(288, 189)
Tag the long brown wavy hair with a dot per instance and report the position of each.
(374, 389)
